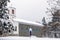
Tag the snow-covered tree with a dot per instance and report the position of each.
(54, 9)
(54, 5)
(6, 25)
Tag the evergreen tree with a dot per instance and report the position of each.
(55, 11)
(44, 21)
(5, 25)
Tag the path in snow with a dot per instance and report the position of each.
(26, 38)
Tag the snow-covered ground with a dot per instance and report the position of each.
(26, 38)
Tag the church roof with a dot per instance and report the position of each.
(27, 22)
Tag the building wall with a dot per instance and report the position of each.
(24, 30)
(12, 15)
(16, 26)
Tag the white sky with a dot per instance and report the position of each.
(33, 10)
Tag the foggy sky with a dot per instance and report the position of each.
(32, 10)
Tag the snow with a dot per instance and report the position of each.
(26, 38)
(27, 22)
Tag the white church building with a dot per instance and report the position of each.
(21, 27)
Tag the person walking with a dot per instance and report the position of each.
(30, 31)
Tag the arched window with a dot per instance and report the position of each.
(12, 11)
